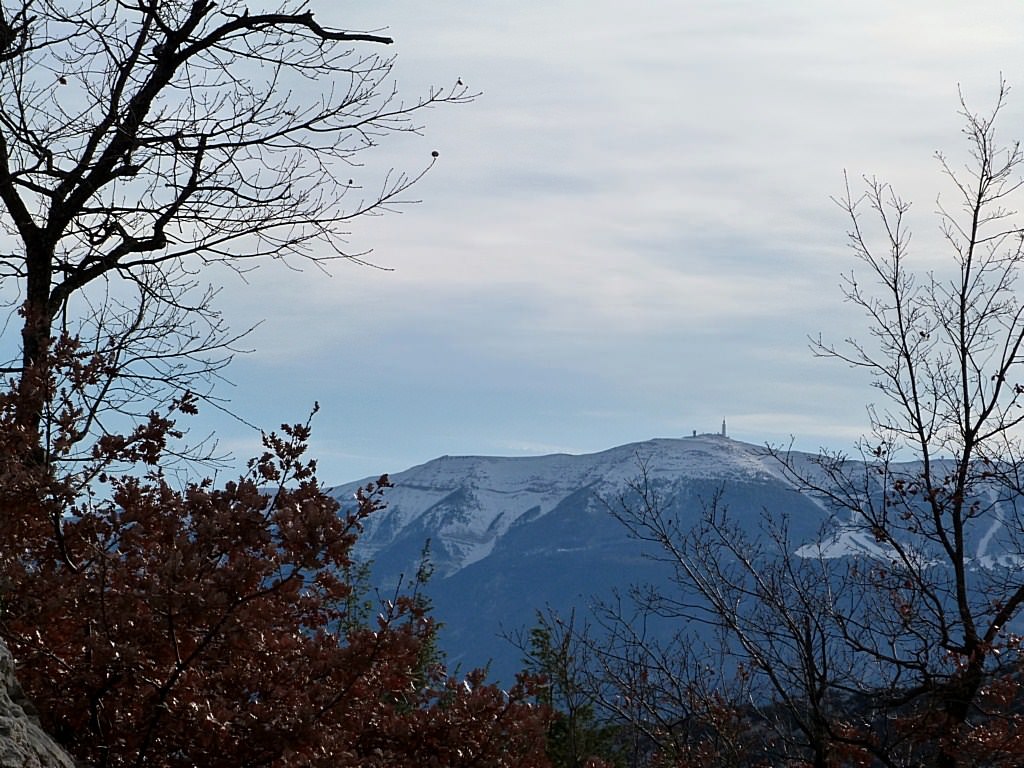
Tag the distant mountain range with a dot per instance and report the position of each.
(509, 536)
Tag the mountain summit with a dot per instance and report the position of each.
(511, 535)
(466, 504)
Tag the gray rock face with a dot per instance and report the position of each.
(23, 744)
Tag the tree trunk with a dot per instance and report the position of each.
(37, 323)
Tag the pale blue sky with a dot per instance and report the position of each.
(628, 235)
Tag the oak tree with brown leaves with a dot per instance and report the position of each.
(164, 625)
(159, 621)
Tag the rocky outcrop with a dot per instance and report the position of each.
(23, 744)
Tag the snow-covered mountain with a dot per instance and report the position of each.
(467, 504)
(510, 536)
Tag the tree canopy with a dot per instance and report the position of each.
(143, 141)
(178, 621)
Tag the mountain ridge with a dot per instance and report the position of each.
(511, 535)
(467, 503)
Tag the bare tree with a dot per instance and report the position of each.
(895, 637)
(141, 140)
(939, 482)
